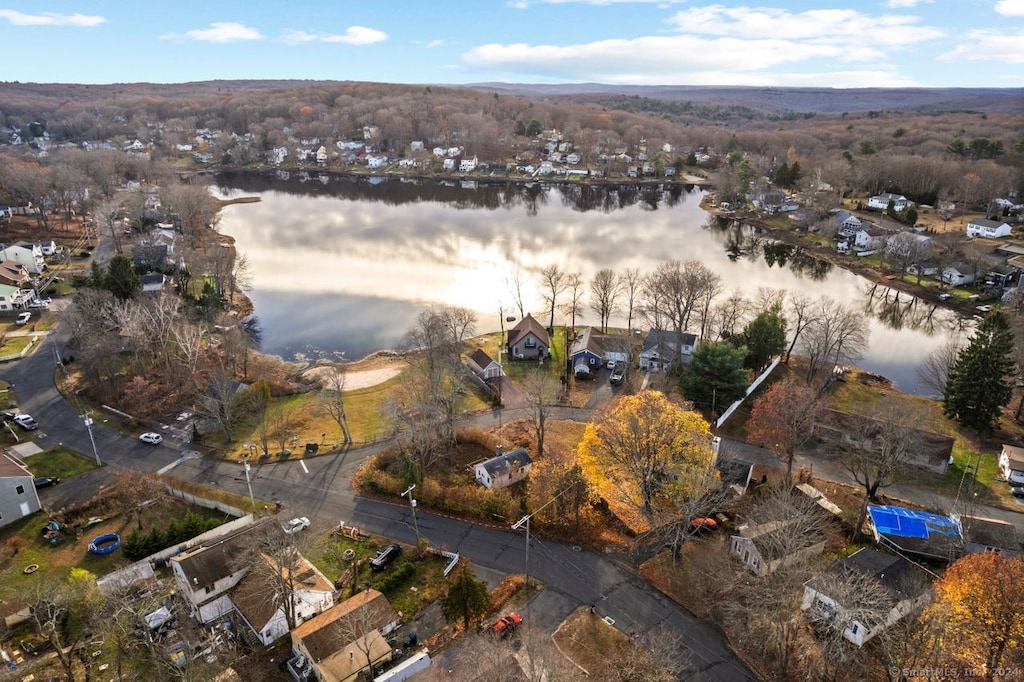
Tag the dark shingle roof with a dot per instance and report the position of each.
(215, 559)
(502, 463)
(526, 326)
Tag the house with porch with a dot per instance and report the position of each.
(958, 274)
(346, 639)
(664, 349)
(261, 606)
(483, 366)
(849, 224)
(988, 229)
(18, 497)
(15, 298)
(528, 340)
(504, 469)
(870, 239)
(898, 591)
(880, 202)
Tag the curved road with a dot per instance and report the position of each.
(319, 488)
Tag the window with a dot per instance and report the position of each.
(20, 490)
(531, 342)
(856, 626)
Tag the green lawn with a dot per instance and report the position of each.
(61, 463)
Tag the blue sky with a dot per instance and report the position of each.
(846, 43)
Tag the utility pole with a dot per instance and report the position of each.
(412, 505)
(88, 427)
(525, 521)
(248, 481)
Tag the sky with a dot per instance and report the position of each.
(845, 43)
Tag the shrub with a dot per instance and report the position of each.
(393, 580)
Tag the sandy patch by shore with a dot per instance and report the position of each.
(371, 371)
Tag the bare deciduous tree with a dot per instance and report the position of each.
(553, 283)
(542, 391)
(331, 400)
(630, 283)
(935, 367)
(605, 288)
(574, 306)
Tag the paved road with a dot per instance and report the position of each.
(573, 576)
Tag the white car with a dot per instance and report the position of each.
(23, 318)
(26, 422)
(151, 438)
(296, 524)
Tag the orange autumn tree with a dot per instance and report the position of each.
(783, 418)
(981, 599)
(647, 454)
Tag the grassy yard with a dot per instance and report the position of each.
(61, 463)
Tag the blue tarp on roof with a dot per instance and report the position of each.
(908, 523)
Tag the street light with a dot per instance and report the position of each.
(248, 482)
(88, 427)
(412, 505)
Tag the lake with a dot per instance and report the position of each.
(342, 266)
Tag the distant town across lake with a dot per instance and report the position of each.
(341, 266)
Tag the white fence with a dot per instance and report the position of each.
(750, 389)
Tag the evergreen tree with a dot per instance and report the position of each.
(978, 384)
(716, 377)
(467, 598)
(782, 175)
(121, 278)
(764, 337)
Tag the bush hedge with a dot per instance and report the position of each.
(139, 545)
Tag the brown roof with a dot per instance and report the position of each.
(480, 358)
(343, 665)
(1016, 457)
(528, 325)
(216, 558)
(12, 467)
(990, 532)
(255, 597)
(338, 626)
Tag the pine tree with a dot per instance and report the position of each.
(467, 598)
(978, 385)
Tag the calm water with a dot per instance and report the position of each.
(341, 268)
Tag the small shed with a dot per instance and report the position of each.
(504, 469)
(482, 365)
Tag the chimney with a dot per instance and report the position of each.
(501, 450)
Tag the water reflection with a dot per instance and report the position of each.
(343, 265)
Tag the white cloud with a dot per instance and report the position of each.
(219, 32)
(358, 35)
(985, 46)
(293, 37)
(523, 4)
(49, 19)
(899, 4)
(837, 26)
(1010, 8)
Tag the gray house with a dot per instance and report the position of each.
(18, 497)
(664, 348)
(528, 340)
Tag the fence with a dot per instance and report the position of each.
(23, 353)
(750, 389)
(203, 502)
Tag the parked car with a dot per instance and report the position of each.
(945, 297)
(611, 364)
(45, 481)
(1017, 490)
(618, 375)
(385, 557)
(26, 422)
(703, 525)
(296, 524)
(506, 625)
(23, 318)
(151, 438)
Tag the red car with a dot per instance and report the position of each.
(703, 525)
(506, 625)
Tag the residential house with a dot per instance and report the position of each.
(845, 430)
(49, 248)
(27, 254)
(769, 201)
(260, 606)
(14, 298)
(988, 229)
(908, 244)
(5, 212)
(908, 531)
(206, 573)
(504, 469)
(982, 534)
(416, 146)
(528, 340)
(670, 171)
(767, 546)
(153, 282)
(849, 224)
(18, 497)
(277, 155)
(591, 349)
(923, 269)
(376, 162)
(14, 274)
(348, 638)
(664, 348)
(900, 590)
(572, 158)
(958, 274)
(467, 165)
(870, 239)
(149, 257)
(448, 164)
(881, 202)
(482, 365)
(321, 155)
(1011, 464)
(438, 151)
(183, 147)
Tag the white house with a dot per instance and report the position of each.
(260, 606)
(870, 239)
(989, 229)
(849, 224)
(321, 155)
(1011, 464)
(416, 146)
(206, 574)
(18, 497)
(482, 364)
(504, 470)
(900, 592)
(376, 161)
(664, 348)
(448, 164)
(277, 155)
(467, 165)
(881, 202)
(14, 298)
(28, 255)
(765, 547)
(958, 274)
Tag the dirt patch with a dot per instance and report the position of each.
(591, 643)
(372, 370)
